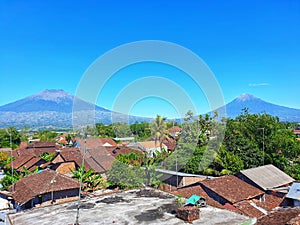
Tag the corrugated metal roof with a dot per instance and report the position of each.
(268, 176)
(170, 172)
(294, 192)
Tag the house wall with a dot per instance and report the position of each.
(48, 197)
(60, 194)
(58, 159)
(66, 167)
(172, 180)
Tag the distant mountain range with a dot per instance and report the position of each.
(256, 105)
(54, 109)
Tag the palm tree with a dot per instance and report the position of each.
(158, 129)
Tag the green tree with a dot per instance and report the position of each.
(90, 180)
(228, 162)
(9, 136)
(47, 156)
(131, 158)
(141, 130)
(105, 130)
(46, 135)
(122, 130)
(126, 176)
(158, 130)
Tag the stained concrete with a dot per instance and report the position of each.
(130, 207)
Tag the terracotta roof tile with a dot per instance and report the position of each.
(270, 201)
(279, 217)
(196, 189)
(42, 144)
(106, 141)
(40, 183)
(102, 157)
(33, 163)
(247, 209)
(170, 143)
(19, 162)
(175, 129)
(232, 188)
(72, 156)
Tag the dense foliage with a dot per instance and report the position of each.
(250, 140)
(9, 136)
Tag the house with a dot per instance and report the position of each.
(289, 216)
(94, 143)
(179, 179)
(170, 143)
(30, 162)
(297, 133)
(294, 194)
(230, 189)
(149, 147)
(267, 178)
(196, 189)
(115, 151)
(47, 186)
(98, 159)
(37, 149)
(175, 131)
(228, 192)
(107, 142)
(67, 160)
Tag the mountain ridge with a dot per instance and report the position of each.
(55, 109)
(256, 105)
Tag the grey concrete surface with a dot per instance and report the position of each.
(137, 206)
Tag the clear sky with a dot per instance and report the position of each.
(250, 46)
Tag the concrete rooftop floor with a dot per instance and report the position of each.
(138, 206)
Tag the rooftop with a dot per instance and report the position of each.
(294, 192)
(40, 183)
(267, 177)
(138, 206)
(232, 188)
(281, 216)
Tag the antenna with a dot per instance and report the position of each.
(80, 184)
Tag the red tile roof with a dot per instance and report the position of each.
(232, 188)
(93, 143)
(42, 144)
(101, 157)
(40, 183)
(36, 149)
(196, 189)
(19, 162)
(108, 140)
(296, 131)
(247, 209)
(170, 143)
(279, 217)
(175, 129)
(71, 156)
(33, 163)
(270, 201)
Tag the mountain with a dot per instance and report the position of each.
(48, 100)
(256, 105)
(53, 109)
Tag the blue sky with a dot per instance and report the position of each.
(250, 46)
